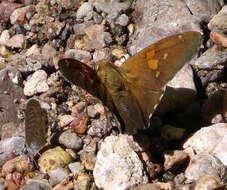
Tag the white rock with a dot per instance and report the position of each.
(118, 166)
(36, 84)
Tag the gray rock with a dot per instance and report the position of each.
(211, 59)
(158, 19)
(36, 185)
(203, 10)
(79, 29)
(118, 166)
(205, 164)
(76, 168)
(219, 21)
(122, 20)
(102, 54)
(208, 182)
(182, 85)
(97, 18)
(70, 140)
(212, 139)
(48, 52)
(57, 175)
(85, 11)
(36, 84)
(80, 55)
(10, 148)
(92, 112)
(16, 41)
(98, 128)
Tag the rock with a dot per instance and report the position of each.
(4, 37)
(85, 11)
(174, 160)
(118, 53)
(21, 164)
(36, 84)
(207, 77)
(211, 59)
(172, 133)
(83, 182)
(6, 9)
(48, 52)
(69, 4)
(53, 29)
(102, 54)
(92, 112)
(210, 139)
(79, 29)
(18, 16)
(54, 158)
(33, 51)
(70, 140)
(97, 18)
(152, 26)
(218, 38)
(182, 85)
(8, 129)
(118, 166)
(98, 128)
(10, 148)
(79, 124)
(58, 175)
(80, 55)
(112, 7)
(218, 22)
(16, 41)
(203, 10)
(122, 20)
(37, 185)
(207, 182)
(65, 120)
(76, 168)
(149, 186)
(205, 164)
(214, 106)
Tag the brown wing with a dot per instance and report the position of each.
(35, 126)
(148, 71)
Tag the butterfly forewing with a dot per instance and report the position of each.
(35, 126)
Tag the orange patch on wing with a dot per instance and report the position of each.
(150, 54)
(82, 74)
(165, 56)
(153, 64)
(157, 74)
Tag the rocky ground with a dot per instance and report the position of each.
(185, 149)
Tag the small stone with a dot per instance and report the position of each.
(207, 182)
(118, 53)
(97, 18)
(53, 29)
(130, 29)
(79, 29)
(58, 175)
(16, 41)
(92, 112)
(76, 168)
(85, 11)
(172, 133)
(54, 158)
(70, 140)
(174, 160)
(81, 55)
(34, 184)
(4, 38)
(205, 164)
(18, 16)
(218, 38)
(48, 52)
(36, 84)
(33, 51)
(211, 139)
(65, 120)
(102, 54)
(79, 124)
(122, 20)
(98, 128)
(88, 159)
(83, 182)
(118, 166)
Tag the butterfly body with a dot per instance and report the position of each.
(135, 89)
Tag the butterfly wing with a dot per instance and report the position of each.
(149, 71)
(35, 126)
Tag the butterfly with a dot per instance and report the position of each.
(36, 126)
(134, 90)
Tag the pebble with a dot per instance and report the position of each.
(218, 22)
(83, 182)
(4, 37)
(210, 139)
(80, 123)
(48, 52)
(207, 182)
(34, 184)
(36, 84)
(18, 15)
(34, 50)
(211, 59)
(54, 158)
(205, 164)
(218, 38)
(16, 41)
(122, 20)
(174, 160)
(65, 120)
(70, 140)
(85, 11)
(57, 175)
(80, 55)
(92, 112)
(98, 128)
(76, 168)
(118, 166)
(102, 54)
